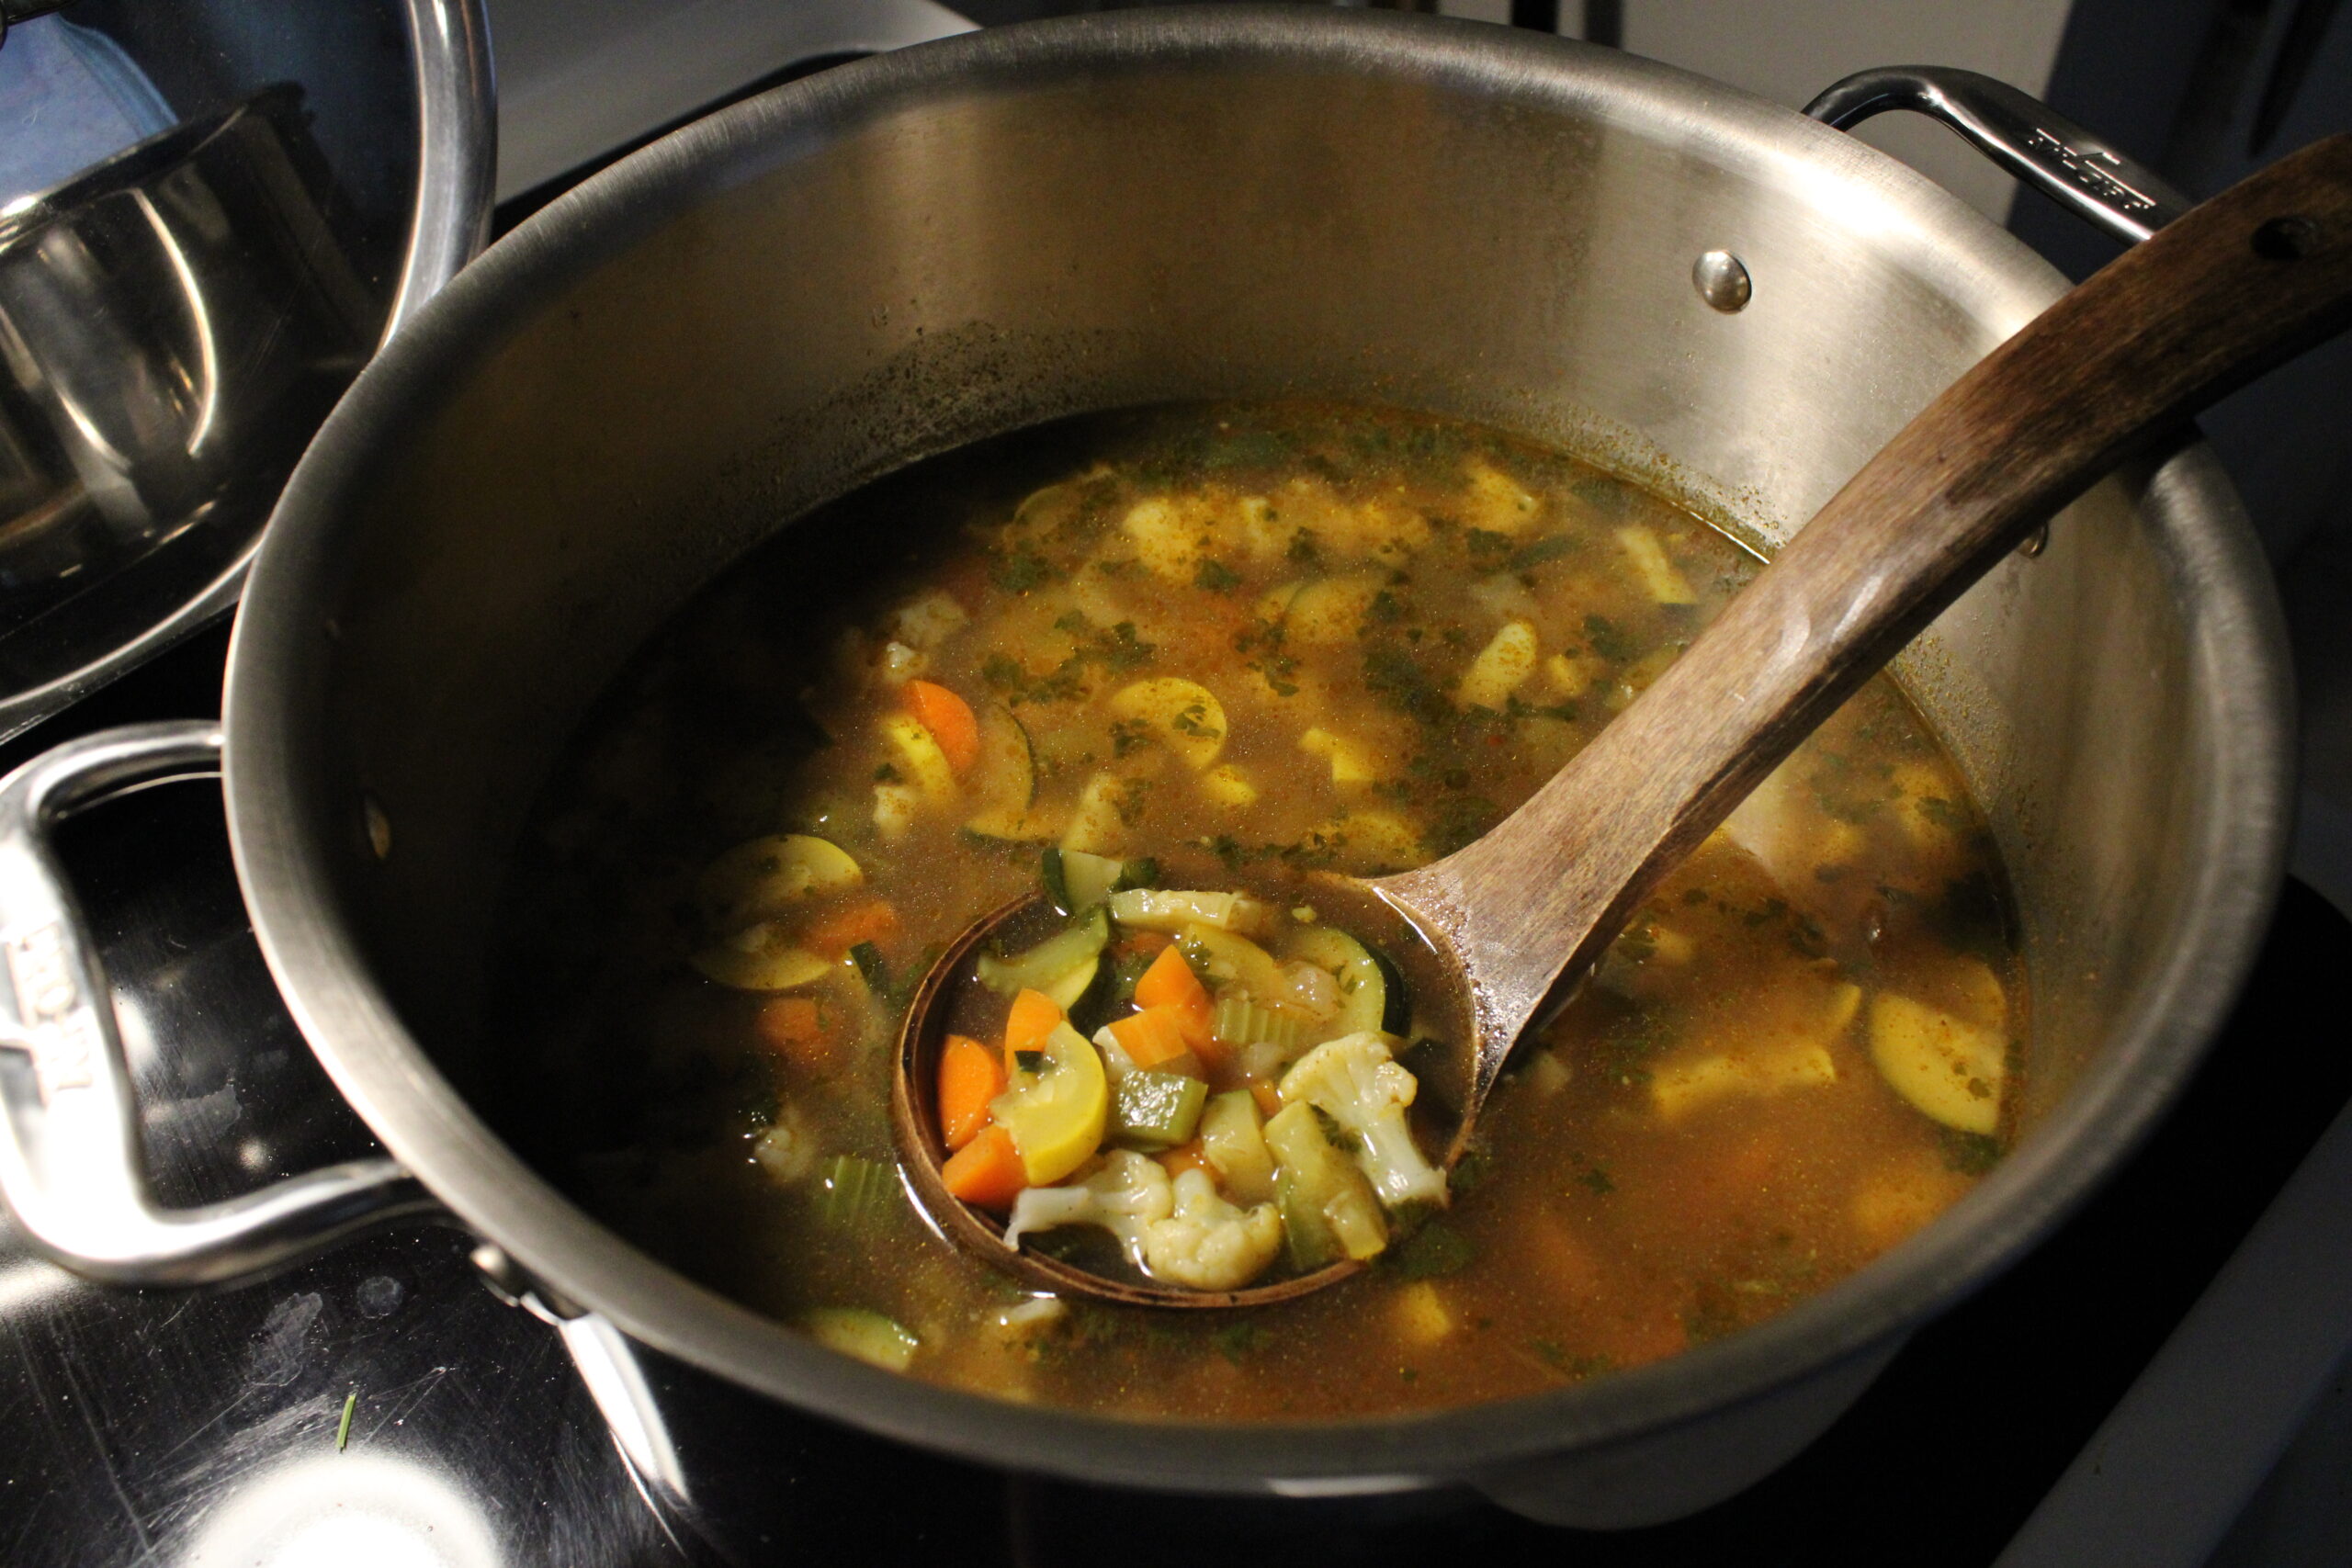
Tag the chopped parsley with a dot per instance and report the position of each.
(1609, 642)
(1214, 576)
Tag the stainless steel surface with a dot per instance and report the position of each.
(577, 79)
(141, 1425)
(199, 1427)
(2075, 167)
(431, 614)
(1722, 281)
(457, 149)
(159, 315)
(175, 320)
(72, 1169)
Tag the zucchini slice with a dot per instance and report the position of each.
(766, 876)
(1076, 880)
(1004, 780)
(1372, 991)
(1183, 715)
(919, 753)
(1052, 963)
(758, 958)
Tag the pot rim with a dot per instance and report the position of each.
(275, 802)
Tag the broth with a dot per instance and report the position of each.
(1799, 1053)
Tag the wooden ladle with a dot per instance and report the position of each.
(2241, 282)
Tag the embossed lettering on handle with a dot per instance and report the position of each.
(2076, 168)
(70, 1159)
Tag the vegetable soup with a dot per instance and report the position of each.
(1144, 660)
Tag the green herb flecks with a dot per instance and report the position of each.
(1610, 641)
(1237, 1339)
(1435, 1250)
(343, 1428)
(872, 968)
(1214, 577)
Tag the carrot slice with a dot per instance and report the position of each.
(1268, 1099)
(949, 719)
(797, 1029)
(969, 1076)
(1187, 1157)
(1157, 1040)
(1035, 1016)
(1170, 982)
(871, 919)
(986, 1172)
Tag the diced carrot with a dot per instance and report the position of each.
(1170, 981)
(832, 934)
(986, 1171)
(949, 719)
(1187, 1157)
(1156, 1041)
(1035, 1016)
(1198, 1023)
(1269, 1099)
(797, 1029)
(969, 1076)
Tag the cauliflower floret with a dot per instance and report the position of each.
(785, 1150)
(1207, 1244)
(1125, 1198)
(1181, 1233)
(1359, 1084)
(925, 623)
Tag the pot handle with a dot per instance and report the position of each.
(70, 1159)
(2080, 171)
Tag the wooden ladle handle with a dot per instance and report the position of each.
(2254, 276)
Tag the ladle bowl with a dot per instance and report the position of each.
(2256, 275)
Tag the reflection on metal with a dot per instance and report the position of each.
(2079, 170)
(353, 1509)
(1722, 281)
(201, 240)
(615, 1379)
(72, 1168)
(577, 82)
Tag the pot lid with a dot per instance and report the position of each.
(210, 219)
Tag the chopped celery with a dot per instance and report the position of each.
(1173, 910)
(851, 1189)
(1051, 960)
(1240, 1020)
(1156, 1110)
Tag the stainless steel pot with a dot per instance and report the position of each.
(671, 363)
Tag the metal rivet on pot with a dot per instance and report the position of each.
(2035, 542)
(380, 827)
(1721, 280)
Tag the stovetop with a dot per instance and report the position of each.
(208, 1427)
